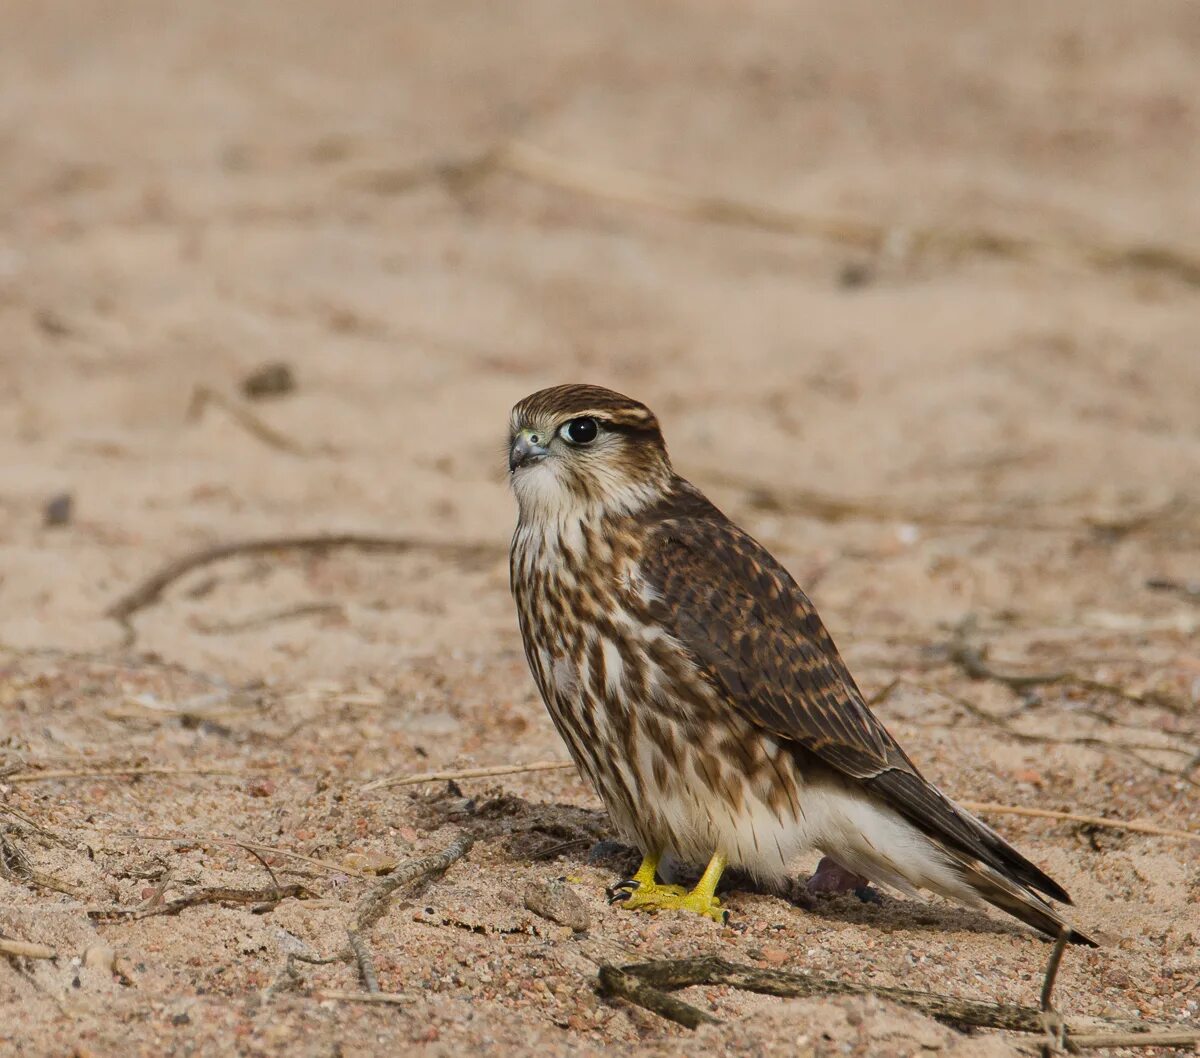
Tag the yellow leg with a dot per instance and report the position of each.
(645, 894)
(644, 885)
(706, 888)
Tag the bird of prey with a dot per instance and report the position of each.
(698, 691)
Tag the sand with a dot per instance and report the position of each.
(931, 438)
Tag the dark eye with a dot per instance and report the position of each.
(580, 431)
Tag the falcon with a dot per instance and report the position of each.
(699, 692)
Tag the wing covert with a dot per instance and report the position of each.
(757, 636)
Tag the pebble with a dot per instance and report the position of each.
(58, 510)
(775, 956)
(270, 380)
(100, 957)
(557, 902)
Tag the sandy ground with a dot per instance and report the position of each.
(193, 190)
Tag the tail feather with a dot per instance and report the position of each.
(883, 841)
(1018, 901)
(932, 812)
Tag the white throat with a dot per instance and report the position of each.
(549, 505)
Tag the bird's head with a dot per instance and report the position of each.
(576, 451)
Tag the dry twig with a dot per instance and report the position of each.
(1175, 516)
(1096, 821)
(288, 978)
(385, 998)
(150, 591)
(1093, 1041)
(633, 189)
(258, 620)
(203, 396)
(1189, 590)
(1055, 1026)
(24, 949)
(234, 843)
(112, 773)
(374, 903)
(13, 861)
(971, 660)
(528, 162)
(648, 985)
(366, 964)
(627, 983)
(215, 895)
(15, 865)
(1132, 750)
(261, 859)
(467, 773)
(158, 891)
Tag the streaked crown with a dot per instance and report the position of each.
(573, 400)
(577, 451)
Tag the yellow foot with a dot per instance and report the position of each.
(637, 896)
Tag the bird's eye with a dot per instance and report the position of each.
(580, 431)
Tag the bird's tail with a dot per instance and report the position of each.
(989, 884)
(922, 840)
(981, 865)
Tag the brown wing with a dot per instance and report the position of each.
(756, 636)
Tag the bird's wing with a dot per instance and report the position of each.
(757, 637)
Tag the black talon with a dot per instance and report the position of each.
(622, 890)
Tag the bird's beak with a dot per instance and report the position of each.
(526, 450)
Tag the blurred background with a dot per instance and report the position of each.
(915, 291)
(942, 258)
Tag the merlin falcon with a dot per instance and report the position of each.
(698, 691)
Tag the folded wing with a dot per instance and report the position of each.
(756, 636)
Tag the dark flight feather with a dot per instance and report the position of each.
(756, 635)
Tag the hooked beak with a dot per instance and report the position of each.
(526, 450)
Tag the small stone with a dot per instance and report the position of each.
(100, 957)
(52, 323)
(270, 380)
(775, 956)
(855, 274)
(261, 788)
(369, 862)
(58, 510)
(557, 902)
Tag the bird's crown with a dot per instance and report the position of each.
(577, 451)
(578, 400)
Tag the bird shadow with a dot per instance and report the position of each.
(533, 832)
(885, 912)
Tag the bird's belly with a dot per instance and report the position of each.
(681, 777)
(678, 769)
(741, 795)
